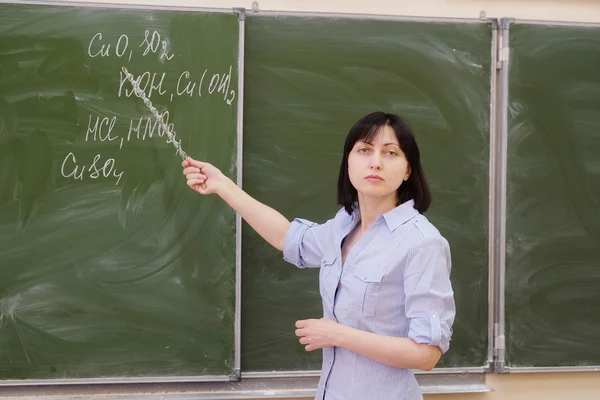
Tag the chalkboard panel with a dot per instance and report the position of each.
(307, 81)
(552, 294)
(111, 266)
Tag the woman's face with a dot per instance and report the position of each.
(378, 169)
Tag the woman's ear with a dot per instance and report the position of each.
(407, 173)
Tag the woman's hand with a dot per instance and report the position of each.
(203, 177)
(319, 333)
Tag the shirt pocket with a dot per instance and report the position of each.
(370, 282)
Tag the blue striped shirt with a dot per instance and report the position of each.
(395, 282)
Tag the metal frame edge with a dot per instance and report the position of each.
(315, 14)
(554, 23)
(125, 6)
(241, 13)
(502, 159)
(492, 206)
(104, 382)
(315, 373)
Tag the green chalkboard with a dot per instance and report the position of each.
(110, 266)
(553, 197)
(307, 81)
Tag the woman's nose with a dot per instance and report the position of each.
(376, 163)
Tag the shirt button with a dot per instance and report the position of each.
(434, 316)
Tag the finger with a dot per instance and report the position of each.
(196, 176)
(308, 347)
(198, 181)
(191, 170)
(300, 324)
(301, 332)
(198, 164)
(304, 340)
(193, 183)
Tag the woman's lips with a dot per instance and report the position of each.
(374, 178)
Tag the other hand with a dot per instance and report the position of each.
(318, 333)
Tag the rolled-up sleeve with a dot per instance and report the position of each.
(429, 300)
(305, 242)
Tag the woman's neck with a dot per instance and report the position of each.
(373, 207)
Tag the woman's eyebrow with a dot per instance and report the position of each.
(385, 144)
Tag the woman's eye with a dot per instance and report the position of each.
(362, 150)
(392, 153)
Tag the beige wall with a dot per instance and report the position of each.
(554, 386)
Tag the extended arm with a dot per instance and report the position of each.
(267, 222)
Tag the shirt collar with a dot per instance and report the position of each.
(396, 216)
(401, 214)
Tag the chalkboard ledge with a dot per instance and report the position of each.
(247, 388)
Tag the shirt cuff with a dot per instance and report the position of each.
(429, 331)
(293, 241)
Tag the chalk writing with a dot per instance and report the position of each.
(190, 86)
(219, 83)
(71, 169)
(166, 84)
(152, 83)
(223, 81)
(152, 80)
(153, 43)
(161, 118)
(150, 126)
(120, 48)
(97, 129)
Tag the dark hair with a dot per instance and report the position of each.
(415, 188)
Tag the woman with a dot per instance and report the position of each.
(384, 268)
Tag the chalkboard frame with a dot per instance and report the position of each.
(502, 173)
(492, 175)
(236, 376)
(437, 378)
